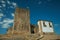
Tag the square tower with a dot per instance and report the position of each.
(21, 20)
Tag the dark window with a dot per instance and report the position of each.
(44, 24)
(50, 24)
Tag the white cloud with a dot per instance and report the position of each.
(6, 23)
(12, 14)
(8, 20)
(3, 1)
(14, 4)
(1, 22)
(1, 14)
(8, 2)
(0, 6)
(3, 5)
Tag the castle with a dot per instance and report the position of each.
(23, 30)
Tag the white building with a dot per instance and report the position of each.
(45, 26)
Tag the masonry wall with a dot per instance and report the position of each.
(22, 20)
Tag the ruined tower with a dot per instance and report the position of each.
(21, 20)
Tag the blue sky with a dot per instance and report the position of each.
(39, 10)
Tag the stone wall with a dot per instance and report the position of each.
(22, 20)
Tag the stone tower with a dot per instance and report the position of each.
(21, 20)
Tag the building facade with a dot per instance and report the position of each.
(46, 29)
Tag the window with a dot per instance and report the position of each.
(44, 24)
(50, 25)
